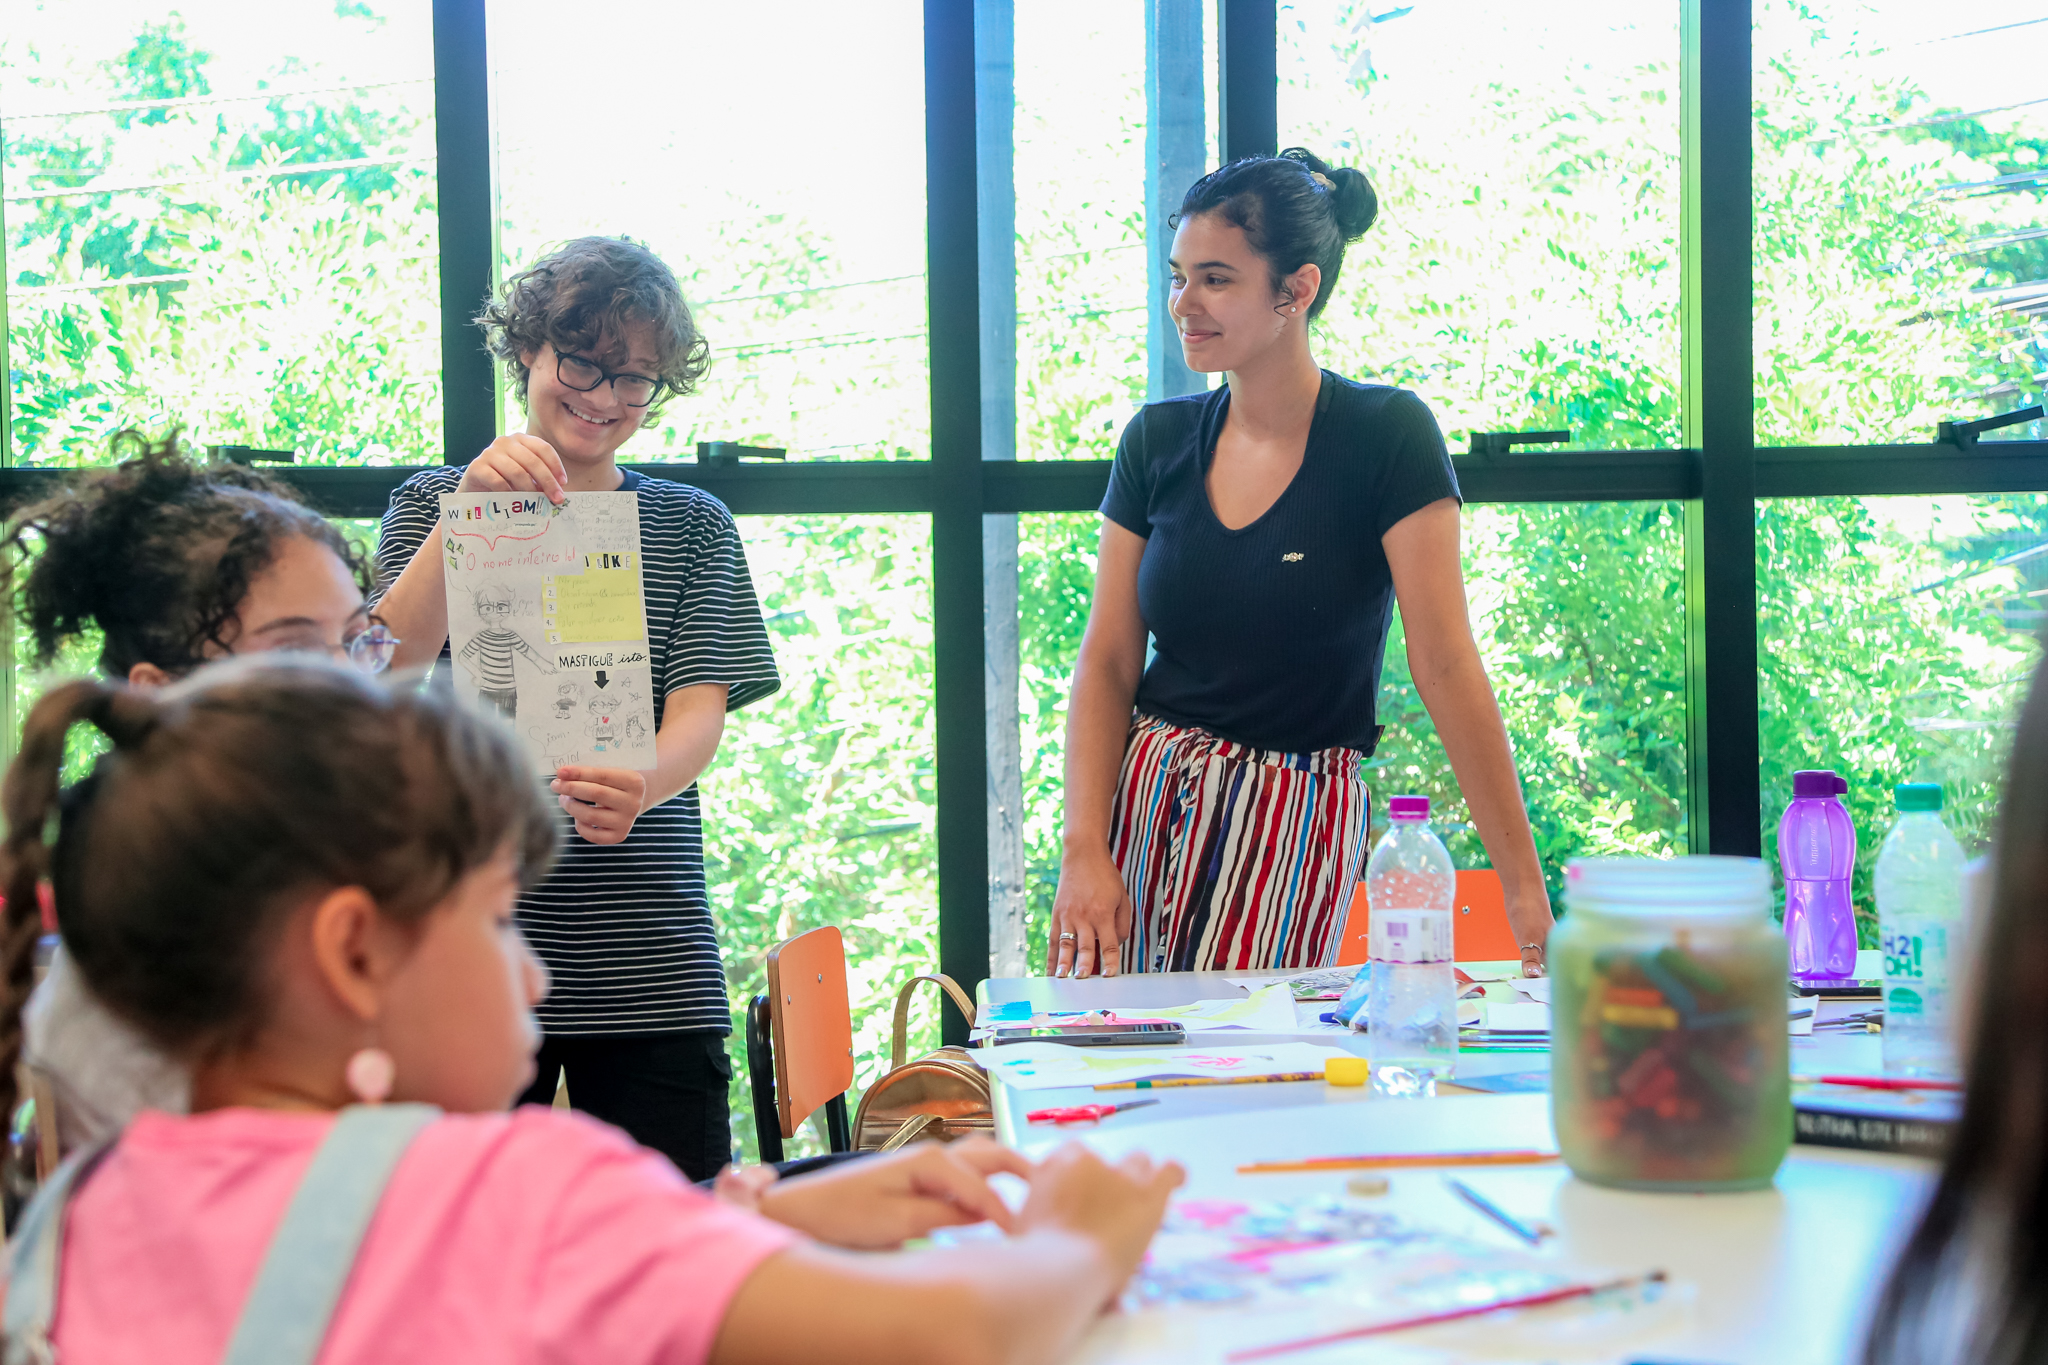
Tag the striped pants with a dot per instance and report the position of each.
(1234, 857)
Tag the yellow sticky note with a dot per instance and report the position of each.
(1346, 1070)
(597, 606)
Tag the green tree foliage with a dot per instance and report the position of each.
(295, 310)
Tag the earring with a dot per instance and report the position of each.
(1295, 309)
(369, 1075)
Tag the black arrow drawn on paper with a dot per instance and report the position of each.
(601, 679)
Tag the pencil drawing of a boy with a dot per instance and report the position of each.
(488, 655)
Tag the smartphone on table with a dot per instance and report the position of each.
(1095, 1035)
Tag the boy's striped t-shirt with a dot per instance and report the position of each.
(625, 929)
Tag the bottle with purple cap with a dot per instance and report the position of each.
(1412, 1011)
(1817, 850)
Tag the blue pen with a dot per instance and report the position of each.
(1494, 1211)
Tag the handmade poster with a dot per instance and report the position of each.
(547, 622)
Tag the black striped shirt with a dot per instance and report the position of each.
(625, 929)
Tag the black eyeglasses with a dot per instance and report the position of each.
(575, 372)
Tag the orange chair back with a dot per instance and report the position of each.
(812, 1024)
(1479, 922)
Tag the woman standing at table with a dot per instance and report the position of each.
(1261, 533)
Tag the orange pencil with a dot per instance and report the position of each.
(1394, 1160)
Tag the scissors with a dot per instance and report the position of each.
(1083, 1113)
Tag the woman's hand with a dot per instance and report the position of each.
(1529, 916)
(1091, 917)
(1116, 1207)
(517, 463)
(603, 801)
(884, 1201)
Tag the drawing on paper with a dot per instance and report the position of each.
(548, 622)
(488, 655)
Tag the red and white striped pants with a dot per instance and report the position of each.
(1235, 857)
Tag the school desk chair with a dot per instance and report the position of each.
(800, 1042)
(1479, 922)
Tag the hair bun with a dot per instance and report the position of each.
(1354, 199)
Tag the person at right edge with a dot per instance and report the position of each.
(593, 337)
(1216, 805)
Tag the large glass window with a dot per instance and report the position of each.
(820, 808)
(1895, 638)
(1901, 218)
(1080, 181)
(773, 154)
(221, 223)
(1524, 271)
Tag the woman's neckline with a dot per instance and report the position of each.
(1208, 455)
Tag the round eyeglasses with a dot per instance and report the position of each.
(581, 374)
(371, 648)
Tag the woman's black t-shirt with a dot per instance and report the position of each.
(1272, 635)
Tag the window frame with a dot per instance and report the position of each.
(1719, 475)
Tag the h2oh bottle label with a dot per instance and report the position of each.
(1410, 936)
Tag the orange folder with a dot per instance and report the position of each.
(1479, 922)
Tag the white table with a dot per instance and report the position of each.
(1778, 1276)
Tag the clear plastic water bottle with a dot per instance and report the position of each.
(1412, 1013)
(1919, 915)
(1817, 850)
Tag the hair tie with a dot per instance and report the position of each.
(1322, 180)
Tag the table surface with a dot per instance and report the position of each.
(1785, 1274)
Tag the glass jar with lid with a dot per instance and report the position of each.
(1670, 1062)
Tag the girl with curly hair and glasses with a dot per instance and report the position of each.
(594, 336)
(171, 564)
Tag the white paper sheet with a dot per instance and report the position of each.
(1535, 987)
(1270, 1010)
(1049, 1066)
(547, 622)
(1518, 1017)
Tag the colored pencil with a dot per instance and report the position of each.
(1889, 1082)
(1495, 1211)
(1395, 1160)
(1171, 1081)
(1549, 1296)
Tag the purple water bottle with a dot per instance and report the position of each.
(1817, 849)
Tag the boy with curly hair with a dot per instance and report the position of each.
(594, 336)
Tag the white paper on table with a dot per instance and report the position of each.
(1270, 1010)
(1535, 987)
(1049, 1066)
(1803, 1011)
(1335, 978)
(1519, 1016)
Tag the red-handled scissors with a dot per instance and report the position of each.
(1083, 1113)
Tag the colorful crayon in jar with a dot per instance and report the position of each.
(1670, 1060)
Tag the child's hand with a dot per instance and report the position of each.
(1116, 1207)
(884, 1201)
(517, 463)
(603, 801)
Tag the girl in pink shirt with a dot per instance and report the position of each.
(300, 880)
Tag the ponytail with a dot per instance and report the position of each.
(29, 800)
(228, 799)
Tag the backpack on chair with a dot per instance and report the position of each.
(942, 1095)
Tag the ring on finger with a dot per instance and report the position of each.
(1067, 938)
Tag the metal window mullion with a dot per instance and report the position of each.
(1247, 69)
(1720, 524)
(466, 200)
(960, 694)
